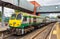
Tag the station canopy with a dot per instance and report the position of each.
(45, 5)
(21, 3)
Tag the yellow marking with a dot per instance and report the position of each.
(58, 30)
(54, 32)
(18, 23)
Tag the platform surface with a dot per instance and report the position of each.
(3, 28)
(55, 33)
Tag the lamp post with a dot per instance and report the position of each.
(18, 2)
(2, 14)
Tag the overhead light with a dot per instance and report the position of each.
(56, 7)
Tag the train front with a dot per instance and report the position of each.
(15, 22)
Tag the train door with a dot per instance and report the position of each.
(34, 20)
(24, 19)
(29, 20)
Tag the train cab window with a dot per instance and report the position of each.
(19, 16)
(13, 16)
(25, 19)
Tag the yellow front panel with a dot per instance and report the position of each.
(15, 23)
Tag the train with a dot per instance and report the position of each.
(22, 23)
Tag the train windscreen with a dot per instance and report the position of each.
(19, 16)
(13, 16)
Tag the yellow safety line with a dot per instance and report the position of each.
(58, 30)
(52, 31)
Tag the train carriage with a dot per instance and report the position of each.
(22, 23)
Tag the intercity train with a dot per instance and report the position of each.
(21, 23)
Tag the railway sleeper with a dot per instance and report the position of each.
(29, 29)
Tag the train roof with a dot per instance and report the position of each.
(26, 14)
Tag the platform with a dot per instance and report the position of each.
(3, 28)
(55, 33)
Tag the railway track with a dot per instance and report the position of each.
(32, 35)
(43, 34)
(35, 35)
(5, 34)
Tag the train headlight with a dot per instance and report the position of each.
(14, 23)
(17, 24)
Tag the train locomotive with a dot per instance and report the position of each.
(21, 23)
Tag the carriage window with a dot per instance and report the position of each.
(25, 19)
(34, 20)
(19, 16)
(13, 16)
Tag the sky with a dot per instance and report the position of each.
(47, 2)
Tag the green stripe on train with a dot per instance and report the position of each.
(24, 25)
